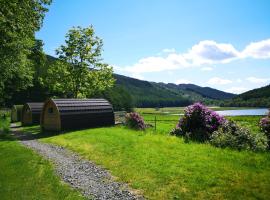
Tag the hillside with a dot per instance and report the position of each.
(259, 97)
(263, 92)
(151, 94)
(207, 91)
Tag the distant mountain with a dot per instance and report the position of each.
(259, 97)
(152, 94)
(206, 92)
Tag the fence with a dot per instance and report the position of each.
(120, 117)
(154, 122)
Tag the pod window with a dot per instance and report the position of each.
(50, 110)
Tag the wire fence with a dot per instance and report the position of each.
(120, 118)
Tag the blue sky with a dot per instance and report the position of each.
(221, 44)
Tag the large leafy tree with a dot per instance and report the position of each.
(79, 71)
(19, 20)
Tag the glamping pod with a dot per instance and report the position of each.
(16, 113)
(31, 113)
(63, 114)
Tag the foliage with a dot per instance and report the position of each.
(135, 121)
(119, 97)
(198, 123)
(4, 122)
(26, 175)
(19, 20)
(164, 167)
(265, 126)
(79, 71)
(37, 91)
(233, 136)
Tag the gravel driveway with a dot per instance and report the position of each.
(91, 180)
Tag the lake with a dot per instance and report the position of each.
(257, 111)
(244, 112)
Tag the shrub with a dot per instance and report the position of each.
(135, 121)
(265, 124)
(198, 123)
(265, 127)
(233, 136)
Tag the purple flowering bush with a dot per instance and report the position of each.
(265, 125)
(135, 121)
(198, 123)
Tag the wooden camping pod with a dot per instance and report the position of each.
(63, 114)
(16, 113)
(31, 113)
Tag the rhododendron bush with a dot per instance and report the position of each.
(135, 121)
(198, 122)
(265, 126)
(233, 136)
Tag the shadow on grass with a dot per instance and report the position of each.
(35, 132)
(6, 137)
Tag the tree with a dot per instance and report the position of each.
(19, 20)
(119, 98)
(79, 71)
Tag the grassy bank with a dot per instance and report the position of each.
(25, 175)
(165, 167)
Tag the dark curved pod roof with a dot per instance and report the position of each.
(80, 113)
(35, 111)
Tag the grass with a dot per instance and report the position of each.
(4, 121)
(25, 175)
(165, 167)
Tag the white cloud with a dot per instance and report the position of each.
(239, 80)
(156, 64)
(205, 52)
(257, 80)
(182, 81)
(259, 49)
(237, 90)
(208, 52)
(207, 69)
(172, 50)
(218, 81)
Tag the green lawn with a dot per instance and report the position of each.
(165, 167)
(25, 175)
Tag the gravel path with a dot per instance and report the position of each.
(93, 181)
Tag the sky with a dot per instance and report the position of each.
(223, 44)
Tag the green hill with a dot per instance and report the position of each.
(259, 97)
(151, 94)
